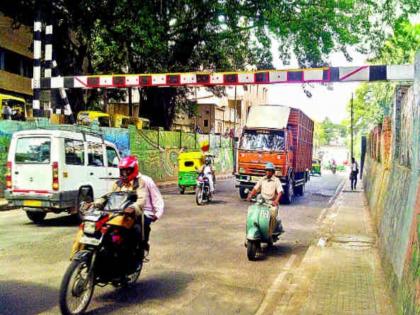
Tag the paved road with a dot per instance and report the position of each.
(198, 261)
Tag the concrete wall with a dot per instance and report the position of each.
(392, 186)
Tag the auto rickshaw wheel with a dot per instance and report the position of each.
(182, 190)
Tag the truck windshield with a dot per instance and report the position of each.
(262, 140)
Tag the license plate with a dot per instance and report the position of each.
(89, 240)
(32, 203)
(255, 178)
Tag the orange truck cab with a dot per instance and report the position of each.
(281, 135)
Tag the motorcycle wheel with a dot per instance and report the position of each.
(132, 278)
(199, 196)
(76, 288)
(251, 250)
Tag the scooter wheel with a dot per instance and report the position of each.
(251, 250)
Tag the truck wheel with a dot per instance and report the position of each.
(242, 193)
(300, 190)
(36, 217)
(287, 197)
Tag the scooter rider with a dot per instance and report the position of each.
(271, 190)
(208, 171)
(149, 199)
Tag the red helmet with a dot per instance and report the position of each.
(129, 168)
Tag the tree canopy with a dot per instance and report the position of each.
(113, 36)
(373, 101)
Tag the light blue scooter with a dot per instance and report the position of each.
(258, 227)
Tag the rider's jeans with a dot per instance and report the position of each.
(211, 183)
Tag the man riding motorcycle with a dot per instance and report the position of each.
(149, 200)
(208, 171)
(271, 190)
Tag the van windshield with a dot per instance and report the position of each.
(262, 140)
(33, 151)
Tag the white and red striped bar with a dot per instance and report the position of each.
(322, 75)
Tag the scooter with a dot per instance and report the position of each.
(258, 227)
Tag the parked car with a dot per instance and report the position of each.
(54, 170)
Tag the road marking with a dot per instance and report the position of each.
(275, 287)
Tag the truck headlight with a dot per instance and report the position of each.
(241, 170)
(89, 227)
(278, 173)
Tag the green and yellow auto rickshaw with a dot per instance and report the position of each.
(189, 163)
(316, 167)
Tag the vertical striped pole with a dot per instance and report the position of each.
(64, 100)
(36, 85)
(48, 57)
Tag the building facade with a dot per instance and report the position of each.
(221, 114)
(15, 59)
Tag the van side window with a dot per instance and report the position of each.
(95, 154)
(112, 157)
(74, 152)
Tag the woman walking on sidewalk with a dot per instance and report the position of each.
(353, 173)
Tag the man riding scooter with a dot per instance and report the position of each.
(149, 200)
(271, 190)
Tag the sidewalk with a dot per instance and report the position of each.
(342, 273)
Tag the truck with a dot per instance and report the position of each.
(281, 135)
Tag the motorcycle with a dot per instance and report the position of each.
(258, 227)
(202, 191)
(106, 251)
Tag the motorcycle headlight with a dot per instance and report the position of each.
(90, 227)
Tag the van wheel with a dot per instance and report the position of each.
(86, 195)
(36, 217)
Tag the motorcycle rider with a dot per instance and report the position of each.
(208, 171)
(271, 190)
(149, 199)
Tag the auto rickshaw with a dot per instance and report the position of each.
(316, 167)
(87, 117)
(16, 104)
(189, 163)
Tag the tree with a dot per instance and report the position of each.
(374, 101)
(110, 36)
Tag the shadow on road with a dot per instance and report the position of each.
(61, 221)
(26, 298)
(163, 286)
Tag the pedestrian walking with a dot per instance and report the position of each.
(353, 173)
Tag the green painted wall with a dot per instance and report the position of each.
(158, 151)
(392, 187)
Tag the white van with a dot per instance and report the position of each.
(54, 170)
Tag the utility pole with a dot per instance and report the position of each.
(351, 126)
(130, 102)
(234, 116)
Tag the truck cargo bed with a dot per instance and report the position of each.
(302, 127)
